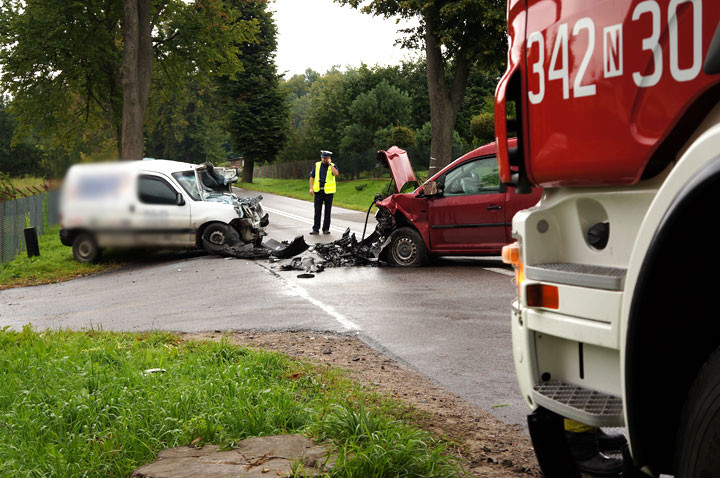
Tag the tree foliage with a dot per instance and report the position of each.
(482, 127)
(347, 112)
(455, 34)
(16, 158)
(257, 106)
(62, 61)
(189, 124)
(377, 111)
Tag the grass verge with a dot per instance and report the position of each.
(80, 404)
(55, 264)
(26, 182)
(355, 195)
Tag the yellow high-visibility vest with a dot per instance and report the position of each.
(329, 180)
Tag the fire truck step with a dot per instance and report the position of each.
(582, 404)
(581, 275)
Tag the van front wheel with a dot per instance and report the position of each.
(84, 248)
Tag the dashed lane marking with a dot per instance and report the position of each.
(300, 292)
(500, 271)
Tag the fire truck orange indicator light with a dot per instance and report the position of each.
(541, 295)
(511, 254)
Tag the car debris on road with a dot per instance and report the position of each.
(344, 252)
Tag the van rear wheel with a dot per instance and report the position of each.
(697, 452)
(84, 248)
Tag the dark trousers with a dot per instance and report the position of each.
(320, 199)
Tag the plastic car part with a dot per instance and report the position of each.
(284, 250)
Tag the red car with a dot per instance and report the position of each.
(463, 210)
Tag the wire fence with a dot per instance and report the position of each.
(39, 211)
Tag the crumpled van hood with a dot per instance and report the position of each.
(397, 160)
(216, 179)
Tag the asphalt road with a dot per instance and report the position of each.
(450, 321)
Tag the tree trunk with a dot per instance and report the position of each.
(247, 174)
(444, 106)
(136, 72)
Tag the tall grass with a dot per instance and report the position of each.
(84, 404)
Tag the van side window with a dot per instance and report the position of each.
(474, 177)
(155, 190)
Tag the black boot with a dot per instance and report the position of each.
(584, 449)
(610, 441)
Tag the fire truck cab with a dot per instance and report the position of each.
(617, 116)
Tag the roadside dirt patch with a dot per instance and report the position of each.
(490, 448)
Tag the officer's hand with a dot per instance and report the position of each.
(312, 192)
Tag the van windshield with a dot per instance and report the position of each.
(188, 181)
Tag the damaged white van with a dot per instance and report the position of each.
(155, 203)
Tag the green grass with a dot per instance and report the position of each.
(22, 183)
(79, 404)
(55, 263)
(355, 195)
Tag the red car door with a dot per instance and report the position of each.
(469, 216)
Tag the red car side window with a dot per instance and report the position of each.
(479, 176)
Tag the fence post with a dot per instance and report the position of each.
(2, 232)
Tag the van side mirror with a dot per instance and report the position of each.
(179, 199)
(430, 188)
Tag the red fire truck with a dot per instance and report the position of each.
(616, 107)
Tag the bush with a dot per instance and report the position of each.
(482, 127)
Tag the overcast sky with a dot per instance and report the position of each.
(318, 34)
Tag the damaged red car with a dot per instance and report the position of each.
(463, 210)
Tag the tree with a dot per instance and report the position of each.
(257, 106)
(20, 158)
(72, 66)
(381, 108)
(455, 34)
(189, 124)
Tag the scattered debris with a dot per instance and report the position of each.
(230, 245)
(154, 370)
(347, 251)
(344, 252)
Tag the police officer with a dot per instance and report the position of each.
(322, 186)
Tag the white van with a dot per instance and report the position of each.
(155, 203)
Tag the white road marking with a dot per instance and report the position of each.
(305, 220)
(500, 271)
(298, 291)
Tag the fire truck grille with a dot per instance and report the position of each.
(582, 404)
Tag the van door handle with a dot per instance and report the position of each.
(490, 208)
(132, 208)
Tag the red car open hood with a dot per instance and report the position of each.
(397, 160)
